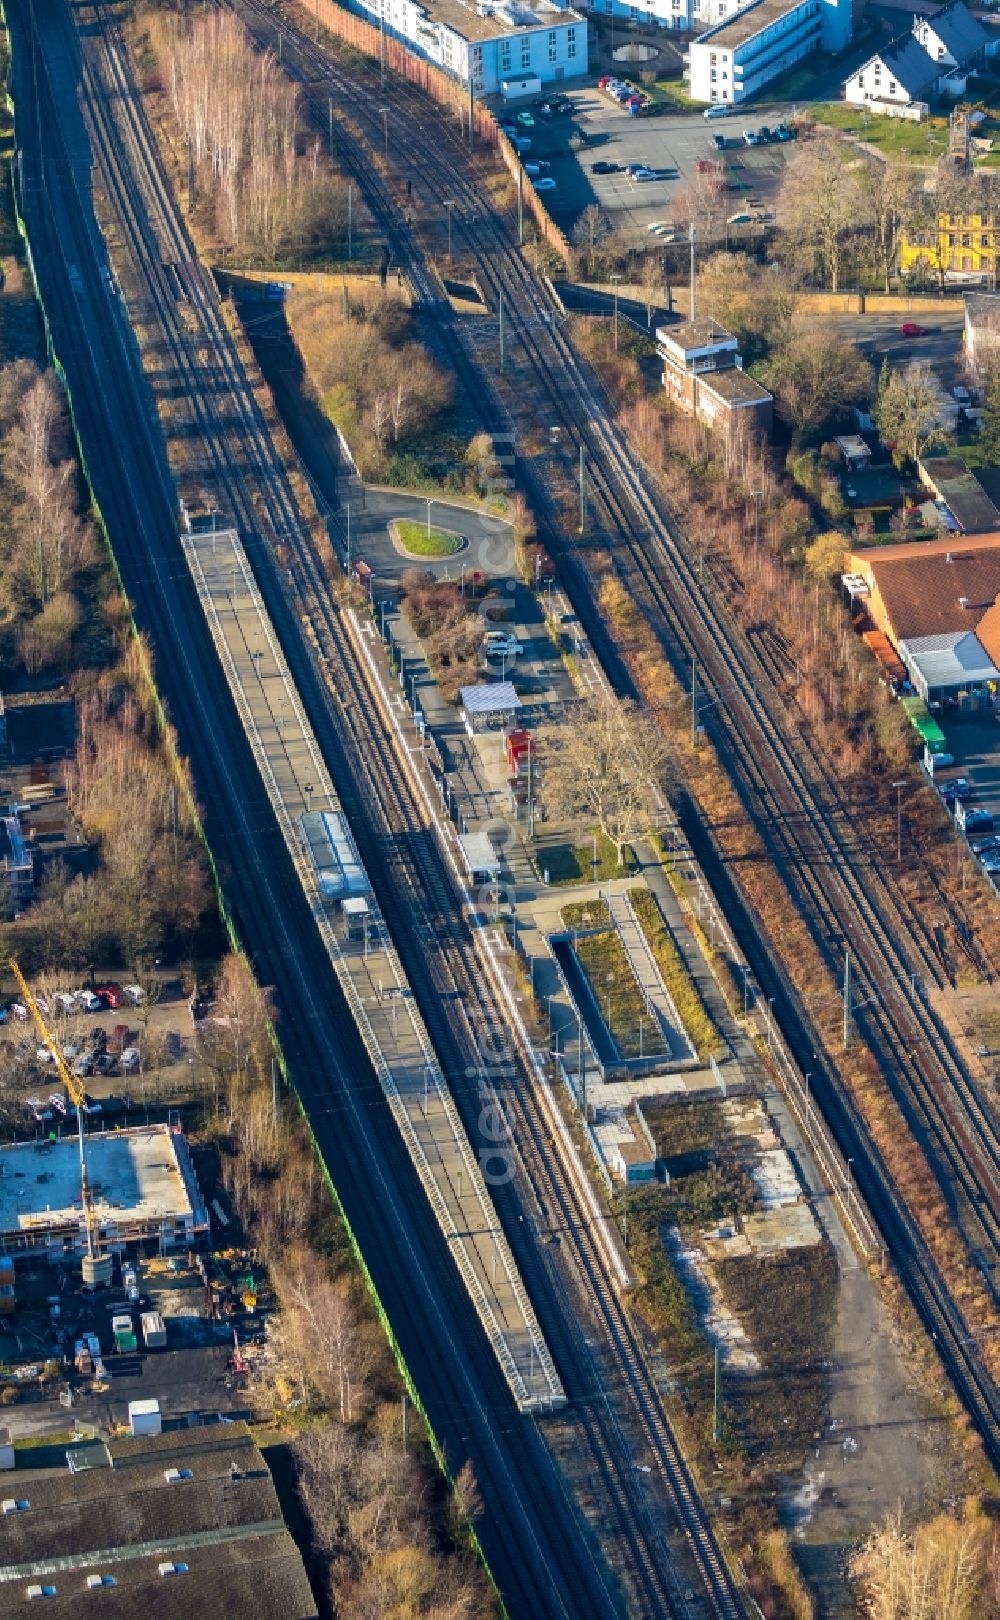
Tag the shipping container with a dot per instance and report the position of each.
(144, 1417)
(153, 1331)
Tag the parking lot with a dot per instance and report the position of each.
(596, 129)
(165, 1061)
(974, 740)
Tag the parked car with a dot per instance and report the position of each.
(912, 329)
(119, 1038)
(605, 167)
(88, 1001)
(37, 1109)
(96, 1041)
(751, 138)
(719, 142)
(105, 1063)
(64, 1001)
(959, 788)
(83, 1066)
(537, 166)
(720, 111)
(130, 1059)
(783, 133)
(71, 1050)
(520, 143)
(111, 994)
(508, 128)
(545, 183)
(641, 175)
(764, 134)
(43, 1055)
(134, 993)
(526, 119)
(498, 643)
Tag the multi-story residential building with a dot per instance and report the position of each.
(698, 14)
(957, 248)
(703, 374)
(505, 46)
(736, 58)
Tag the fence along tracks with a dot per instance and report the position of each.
(228, 442)
(801, 811)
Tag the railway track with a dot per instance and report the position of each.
(394, 843)
(550, 1568)
(797, 805)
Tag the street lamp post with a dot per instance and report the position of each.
(385, 125)
(615, 279)
(430, 502)
(449, 205)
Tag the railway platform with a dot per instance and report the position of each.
(305, 802)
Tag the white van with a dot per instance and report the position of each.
(719, 111)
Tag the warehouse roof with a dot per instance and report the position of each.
(187, 1520)
(931, 587)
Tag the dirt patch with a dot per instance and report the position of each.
(877, 1448)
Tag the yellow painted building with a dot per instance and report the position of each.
(960, 246)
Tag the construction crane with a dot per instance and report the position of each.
(97, 1267)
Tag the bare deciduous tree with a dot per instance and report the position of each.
(820, 204)
(908, 412)
(602, 770)
(816, 374)
(589, 231)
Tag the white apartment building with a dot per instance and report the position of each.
(736, 58)
(670, 13)
(508, 43)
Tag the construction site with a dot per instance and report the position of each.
(142, 1188)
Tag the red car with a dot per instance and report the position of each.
(911, 329)
(111, 995)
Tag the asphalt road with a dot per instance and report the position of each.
(334, 485)
(544, 1559)
(940, 345)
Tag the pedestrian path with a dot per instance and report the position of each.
(305, 803)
